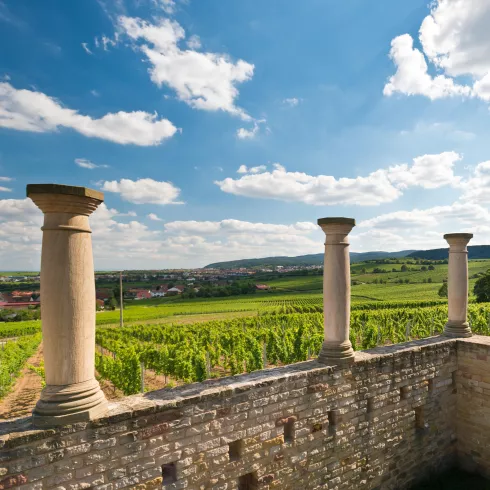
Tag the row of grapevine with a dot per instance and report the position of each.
(190, 352)
(13, 356)
(19, 329)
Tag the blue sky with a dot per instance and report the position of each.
(222, 130)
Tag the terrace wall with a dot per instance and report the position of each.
(395, 415)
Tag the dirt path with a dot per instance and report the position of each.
(25, 393)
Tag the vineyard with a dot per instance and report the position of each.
(196, 352)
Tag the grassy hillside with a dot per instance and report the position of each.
(474, 252)
(314, 259)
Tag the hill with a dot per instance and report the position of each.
(312, 259)
(474, 252)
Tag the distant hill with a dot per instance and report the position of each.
(312, 259)
(474, 252)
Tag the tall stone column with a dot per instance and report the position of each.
(457, 285)
(72, 394)
(337, 348)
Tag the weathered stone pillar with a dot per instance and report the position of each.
(72, 393)
(337, 348)
(457, 286)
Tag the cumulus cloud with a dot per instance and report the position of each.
(143, 191)
(233, 226)
(154, 217)
(5, 189)
(84, 163)
(412, 77)
(5, 179)
(194, 42)
(427, 171)
(455, 40)
(247, 134)
(206, 81)
(26, 110)
(243, 169)
(380, 186)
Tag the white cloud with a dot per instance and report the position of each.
(427, 171)
(84, 163)
(86, 48)
(95, 93)
(194, 42)
(243, 169)
(476, 187)
(455, 39)
(129, 213)
(143, 191)
(243, 133)
(292, 101)
(26, 110)
(233, 227)
(154, 217)
(5, 189)
(168, 6)
(380, 186)
(412, 77)
(202, 80)
(6, 179)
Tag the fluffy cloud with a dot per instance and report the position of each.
(154, 217)
(84, 163)
(412, 77)
(143, 191)
(455, 39)
(243, 169)
(178, 244)
(5, 189)
(380, 186)
(202, 80)
(26, 110)
(428, 171)
(233, 226)
(247, 134)
(5, 179)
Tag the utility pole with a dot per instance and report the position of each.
(120, 299)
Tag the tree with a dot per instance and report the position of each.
(430, 279)
(482, 288)
(443, 290)
(404, 268)
(431, 267)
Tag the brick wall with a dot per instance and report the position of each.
(389, 419)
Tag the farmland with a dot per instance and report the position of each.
(179, 340)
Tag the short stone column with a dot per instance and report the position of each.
(457, 286)
(72, 394)
(337, 348)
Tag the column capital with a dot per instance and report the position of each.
(458, 241)
(336, 226)
(55, 198)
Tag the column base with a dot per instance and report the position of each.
(457, 330)
(67, 404)
(339, 354)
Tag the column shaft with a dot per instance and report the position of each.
(337, 348)
(457, 325)
(72, 393)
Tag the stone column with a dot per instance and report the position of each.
(337, 348)
(457, 286)
(72, 394)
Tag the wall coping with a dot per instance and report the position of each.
(16, 432)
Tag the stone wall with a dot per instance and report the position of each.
(382, 423)
(473, 405)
